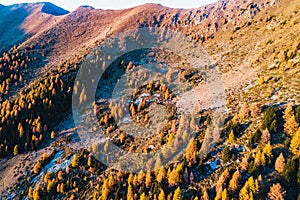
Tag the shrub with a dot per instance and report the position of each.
(226, 154)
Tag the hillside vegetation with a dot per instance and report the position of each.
(254, 44)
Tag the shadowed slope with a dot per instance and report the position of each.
(18, 22)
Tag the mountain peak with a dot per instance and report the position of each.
(85, 7)
(52, 9)
(151, 5)
(45, 7)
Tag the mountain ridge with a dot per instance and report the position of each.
(140, 15)
(72, 35)
(46, 7)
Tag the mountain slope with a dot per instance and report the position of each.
(75, 34)
(255, 46)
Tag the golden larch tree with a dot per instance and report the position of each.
(75, 161)
(234, 183)
(280, 163)
(276, 192)
(225, 195)
(178, 194)
(295, 143)
(161, 195)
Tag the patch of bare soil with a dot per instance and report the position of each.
(14, 170)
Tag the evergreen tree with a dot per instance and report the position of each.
(105, 190)
(226, 154)
(268, 150)
(161, 175)
(289, 172)
(143, 196)
(111, 181)
(161, 195)
(148, 179)
(244, 164)
(132, 110)
(234, 183)
(37, 167)
(167, 94)
(37, 193)
(171, 139)
(249, 190)
(225, 195)
(261, 80)
(48, 177)
(16, 150)
(253, 187)
(231, 137)
(205, 195)
(52, 135)
(51, 186)
(244, 111)
(75, 161)
(62, 188)
(141, 177)
(223, 180)
(219, 191)
(89, 163)
(297, 114)
(30, 192)
(130, 194)
(280, 163)
(245, 193)
(174, 178)
(268, 153)
(266, 137)
(288, 112)
(277, 192)
(270, 119)
(130, 179)
(21, 130)
(178, 194)
(82, 96)
(291, 125)
(295, 143)
(191, 152)
(260, 159)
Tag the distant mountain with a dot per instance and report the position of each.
(19, 22)
(52, 9)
